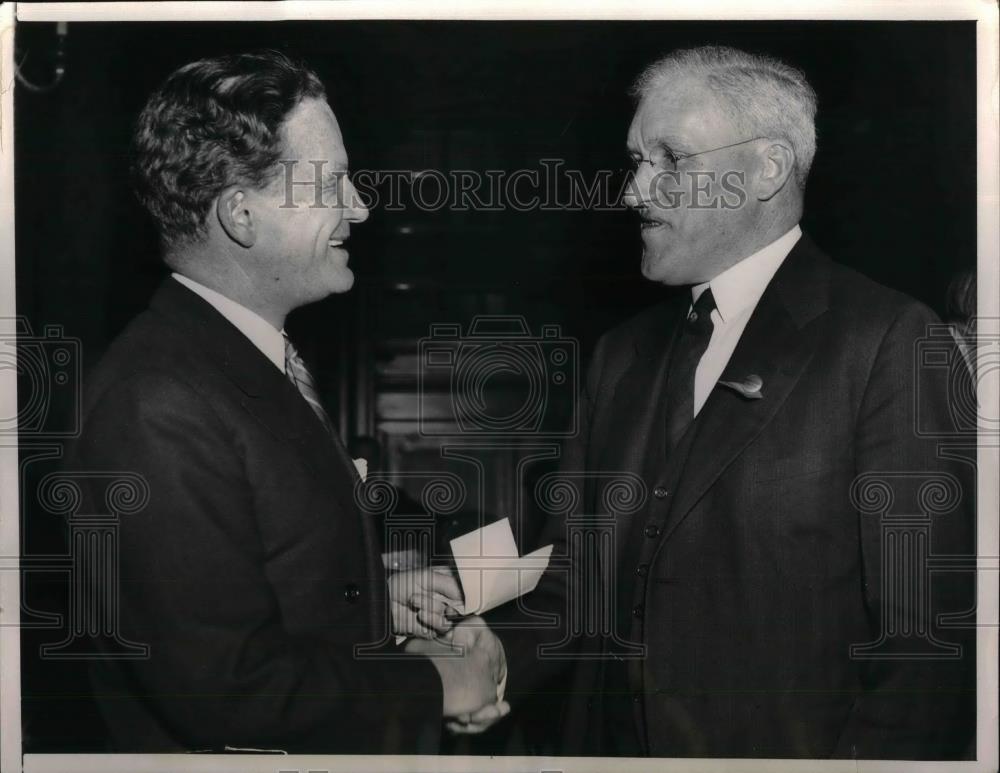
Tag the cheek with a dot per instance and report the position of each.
(316, 231)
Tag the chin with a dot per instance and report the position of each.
(341, 283)
(656, 269)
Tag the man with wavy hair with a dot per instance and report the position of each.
(251, 575)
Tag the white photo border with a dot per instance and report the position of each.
(988, 219)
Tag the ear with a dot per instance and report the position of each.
(778, 166)
(235, 216)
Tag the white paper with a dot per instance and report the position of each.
(489, 569)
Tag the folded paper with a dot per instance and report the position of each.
(490, 570)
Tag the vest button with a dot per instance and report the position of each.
(351, 592)
(642, 570)
(660, 493)
(652, 530)
(637, 611)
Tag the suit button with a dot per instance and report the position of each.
(642, 570)
(660, 493)
(637, 697)
(637, 611)
(651, 530)
(351, 592)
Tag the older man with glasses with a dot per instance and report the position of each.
(765, 600)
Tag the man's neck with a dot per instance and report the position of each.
(228, 278)
(767, 233)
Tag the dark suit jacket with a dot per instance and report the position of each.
(764, 571)
(251, 574)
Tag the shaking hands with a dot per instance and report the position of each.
(468, 656)
(470, 661)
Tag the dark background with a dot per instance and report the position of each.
(891, 193)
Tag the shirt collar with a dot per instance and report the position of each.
(740, 286)
(261, 333)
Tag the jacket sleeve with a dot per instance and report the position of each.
(917, 700)
(222, 669)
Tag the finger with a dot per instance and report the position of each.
(436, 604)
(423, 631)
(408, 625)
(490, 713)
(456, 729)
(434, 613)
(429, 647)
(448, 637)
(446, 585)
(436, 621)
(480, 720)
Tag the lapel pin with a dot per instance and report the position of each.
(750, 387)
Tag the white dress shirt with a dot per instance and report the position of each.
(736, 291)
(261, 333)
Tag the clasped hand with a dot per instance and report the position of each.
(425, 602)
(470, 661)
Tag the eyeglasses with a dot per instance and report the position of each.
(668, 160)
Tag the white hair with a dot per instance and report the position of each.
(763, 96)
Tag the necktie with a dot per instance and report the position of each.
(300, 376)
(691, 345)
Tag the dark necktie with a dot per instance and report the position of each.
(688, 351)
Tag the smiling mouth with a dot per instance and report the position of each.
(647, 223)
(335, 243)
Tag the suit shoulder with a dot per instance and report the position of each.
(854, 292)
(868, 306)
(617, 348)
(147, 363)
(646, 322)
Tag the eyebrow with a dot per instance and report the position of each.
(661, 142)
(666, 144)
(333, 177)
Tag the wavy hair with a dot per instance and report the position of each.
(213, 123)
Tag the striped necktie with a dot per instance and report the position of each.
(300, 376)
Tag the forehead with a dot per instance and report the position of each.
(677, 113)
(311, 133)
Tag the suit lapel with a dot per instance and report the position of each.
(774, 346)
(288, 417)
(265, 393)
(637, 403)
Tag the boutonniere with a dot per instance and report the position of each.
(750, 387)
(362, 467)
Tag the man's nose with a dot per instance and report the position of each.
(356, 212)
(637, 187)
(631, 198)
